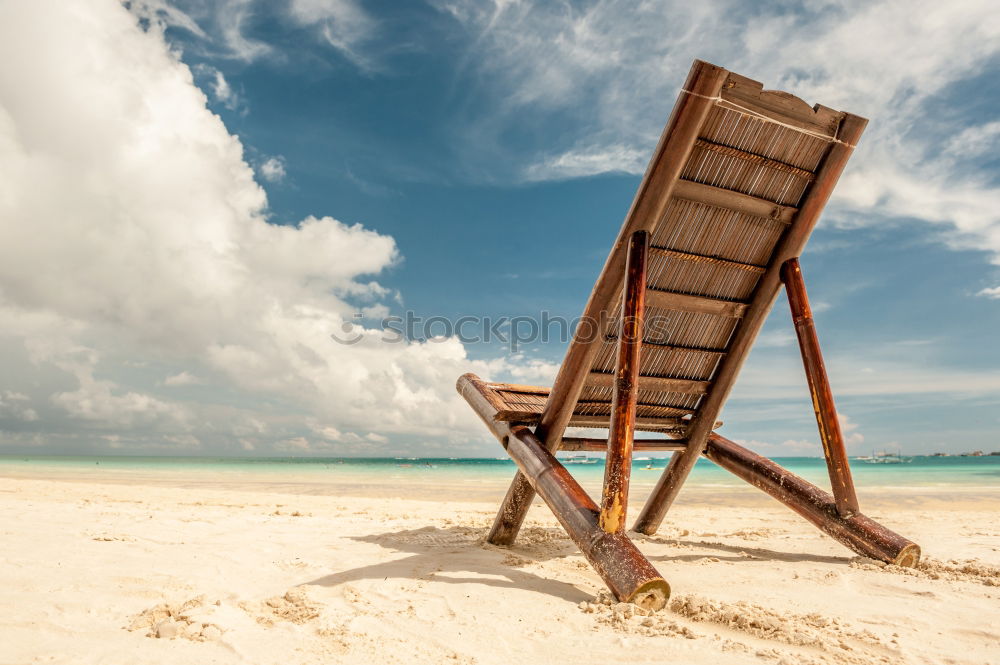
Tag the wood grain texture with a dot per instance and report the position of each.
(820, 391)
(781, 106)
(703, 258)
(654, 383)
(727, 198)
(618, 464)
(790, 246)
(626, 572)
(857, 532)
(583, 444)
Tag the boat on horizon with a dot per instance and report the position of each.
(579, 459)
(884, 457)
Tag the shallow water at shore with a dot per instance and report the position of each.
(943, 478)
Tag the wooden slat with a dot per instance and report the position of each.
(704, 258)
(657, 383)
(516, 415)
(530, 416)
(766, 293)
(780, 106)
(684, 302)
(640, 445)
(732, 200)
(520, 388)
(766, 162)
(598, 402)
(648, 423)
(677, 347)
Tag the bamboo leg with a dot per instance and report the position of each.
(618, 466)
(819, 388)
(857, 532)
(513, 510)
(628, 574)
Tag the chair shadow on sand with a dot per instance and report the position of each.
(741, 553)
(442, 554)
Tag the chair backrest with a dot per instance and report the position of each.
(733, 190)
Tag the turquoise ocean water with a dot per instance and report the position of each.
(968, 472)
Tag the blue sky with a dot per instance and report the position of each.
(198, 193)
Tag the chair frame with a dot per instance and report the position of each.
(599, 530)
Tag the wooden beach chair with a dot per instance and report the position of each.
(732, 192)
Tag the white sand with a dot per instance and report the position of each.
(102, 572)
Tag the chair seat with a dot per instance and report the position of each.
(524, 404)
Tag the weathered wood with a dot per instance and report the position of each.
(618, 465)
(819, 389)
(654, 383)
(677, 347)
(703, 258)
(747, 156)
(781, 106)
(628, 574)
(696, 304)
(732, 200)
(647, 423)
(857, 532)
(676, 143)
(582, 444)
(789, 246)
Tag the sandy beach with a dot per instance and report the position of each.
(98, 569)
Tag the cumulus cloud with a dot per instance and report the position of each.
(136, 246)
(273, 169)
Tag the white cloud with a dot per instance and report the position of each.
(775, 338)
(103, 402)
(793, 447)
(588, 161)
(273, 169)
(852, 437)
(162, 13)
(343, 24)
(607, 78)
(974, 141)
(16, 405)
(990, 292)
(134, 231)
(220, 89)
(231, 17)
(183, 378)
(869, 371)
